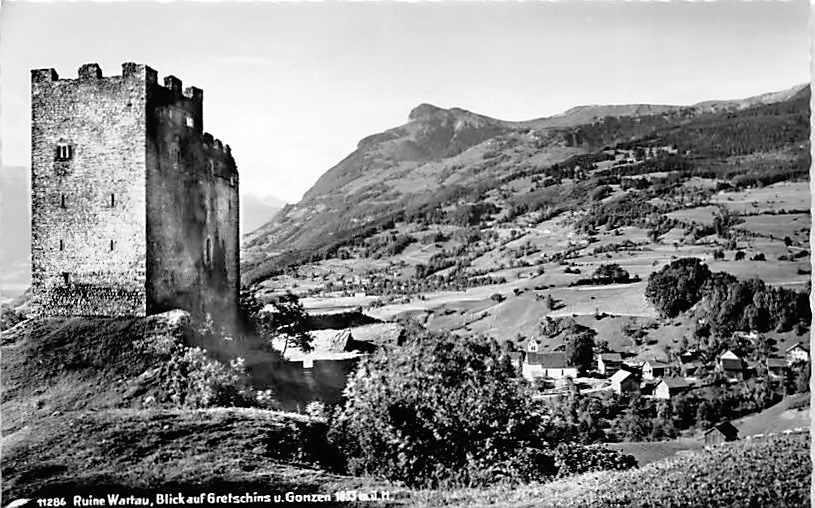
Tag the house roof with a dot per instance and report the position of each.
(620, 376)
(729, 355)
(796, 346)
(731, 363)
(675, 383)
(379, 333)
(725, 428)
(776, 362)
(326, 345)
(548, 360)
(654, 363)
(611, 357)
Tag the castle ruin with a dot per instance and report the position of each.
(134, 206)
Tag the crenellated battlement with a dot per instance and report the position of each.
(130, 70)
(220, 153)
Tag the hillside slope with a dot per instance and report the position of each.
(774, 471)
(444, 157)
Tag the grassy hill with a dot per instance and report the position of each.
(773, 471)
(91, 405)
(789, 414)
(129, 451)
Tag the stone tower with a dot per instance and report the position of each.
(134, 207)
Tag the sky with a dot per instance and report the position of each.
(292, 87)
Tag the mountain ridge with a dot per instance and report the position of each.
(440, 152)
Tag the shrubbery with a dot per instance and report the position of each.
(441, 410)
(189, 378)
(773, 471)
(576, 459)
(9, 317)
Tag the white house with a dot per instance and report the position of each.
(608, 363)
(731, 365)
(653, 369)
(552, 365)
(624, 381)
(670, 387)
(797, 353)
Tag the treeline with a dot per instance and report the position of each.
(630, 209)
(727, 303)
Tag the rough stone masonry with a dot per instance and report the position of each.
(134, 206)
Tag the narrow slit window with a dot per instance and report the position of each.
(63, 201)
(178, 156)
(62, 245)
(64, 152)
(111, 245)
(66, 278)
(112, 200)
(208, 253)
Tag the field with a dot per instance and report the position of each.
(776, 469)
(794, 225)
(786, 196)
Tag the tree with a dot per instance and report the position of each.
(441, 409)
(723, 221)
(632, 424)
(801, 374)
(705, 414)
(580, 347)
(611, 272)
(287, 320)
(678, 286)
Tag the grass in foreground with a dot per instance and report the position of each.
(145, 451)
(773, 471)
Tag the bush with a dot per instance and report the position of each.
(9, 317)
(190, 379)
(441, 410)
(572, 459)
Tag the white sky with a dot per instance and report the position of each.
(293, 87)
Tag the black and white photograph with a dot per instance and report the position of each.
(405, 254)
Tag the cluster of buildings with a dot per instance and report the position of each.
(624, 374)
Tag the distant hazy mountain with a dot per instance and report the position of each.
(257, 211)
(15, 230)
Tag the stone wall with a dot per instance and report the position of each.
(142, 217)
(192, 208)
(88, 223)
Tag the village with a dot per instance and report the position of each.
(621, 375)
